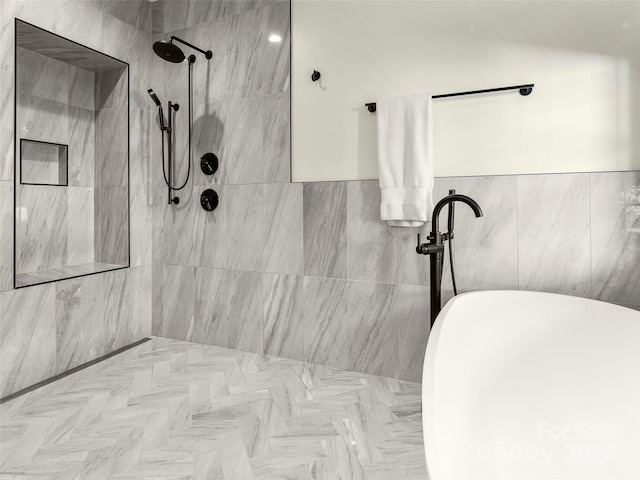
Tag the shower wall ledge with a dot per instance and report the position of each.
(54, 274)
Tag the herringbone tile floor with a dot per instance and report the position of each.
(168, 409)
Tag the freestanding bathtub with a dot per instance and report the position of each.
(527, 385)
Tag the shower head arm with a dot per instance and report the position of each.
(208, 54)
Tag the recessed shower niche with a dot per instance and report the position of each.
(71, 159)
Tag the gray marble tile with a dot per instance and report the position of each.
(157, 22)
(111, 239)
(210, 236)
(283, 311)
(27, 337)
(134, 12)
(371, 243)
(229, 309)
(81, 88)
(78, 20)
(157, 299)
(274, 59)
(615, 236)
(42, 120)
(283, 420)
(111, 89)
(41, 227)
(243, 33)
(7, 36)
(413, 330)
(211, 77)
(243, 141)
(119, 40)
(277, 141)
(81, 151)
(181, 14)
(127, 306)
(246, 227)
(283, 239)
(141, 225)
(42, 13)
(159, 205)
(6, 236)
(138, 78)
(325, 236)
(81, 231)
(413, 269)
(142, 300)
(553, 233)
(141, 160)
(6, 125)
(209, 131)
(180, 227)
(325, 310)
(371, 328)
(81, 334)
(42, 77)
(156, 73)
(257, 66)
(111, 129)
(177, 297)
(256, 140)
(486, 248)
(146, 60)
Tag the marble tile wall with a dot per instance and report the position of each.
(55, 103)
(47, 329)
(307, 271)
(61, 103)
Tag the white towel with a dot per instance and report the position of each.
(405, 162)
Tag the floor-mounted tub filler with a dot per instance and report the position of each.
(528, 385)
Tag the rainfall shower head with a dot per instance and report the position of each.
(172, 53)
(168, 51)
(155, 98)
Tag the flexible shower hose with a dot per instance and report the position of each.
(164, 170)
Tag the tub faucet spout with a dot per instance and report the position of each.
(435, 246)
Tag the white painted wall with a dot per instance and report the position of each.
(584, 58)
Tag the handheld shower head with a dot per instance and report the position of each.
(155, 98)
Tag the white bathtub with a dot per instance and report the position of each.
(528, 385)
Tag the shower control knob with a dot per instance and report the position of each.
(209, 200)
(209, 163)
(428, 248)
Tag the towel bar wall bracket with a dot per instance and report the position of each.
(523, 89)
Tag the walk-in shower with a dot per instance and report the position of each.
(170, 52)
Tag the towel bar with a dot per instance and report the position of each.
(524, 90)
